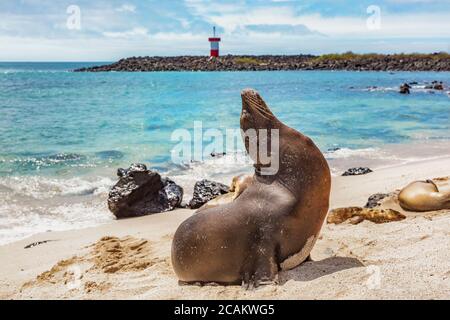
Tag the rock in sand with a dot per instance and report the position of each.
(140, 192)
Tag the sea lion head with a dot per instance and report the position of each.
(260, 130)
(255, 112)
(278, 151)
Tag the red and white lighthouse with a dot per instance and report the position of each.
(214, 44)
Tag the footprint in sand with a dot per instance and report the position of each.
(108, 256)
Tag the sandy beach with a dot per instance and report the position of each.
(130, 259)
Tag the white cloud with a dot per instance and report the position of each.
(108, 34)
(127, 8)
(428, 25)
(135, 32)
(433, 25)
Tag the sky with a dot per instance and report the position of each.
(107, 30)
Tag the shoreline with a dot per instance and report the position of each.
(439, 62)
(339, 270)
(79, 201)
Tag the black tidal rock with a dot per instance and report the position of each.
(142, 192)
(374, 200)
(173, 193)
(356, 172)
(134, 167)
(205, 191)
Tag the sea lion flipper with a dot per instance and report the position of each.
(262, 269)
(433, 183)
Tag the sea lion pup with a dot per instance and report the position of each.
(421, 196)
(238, 185)
(357, 215)
(273, 224)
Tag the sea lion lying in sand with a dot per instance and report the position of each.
(238, 185)
(357, 215)
(273, 224)
(421, 196)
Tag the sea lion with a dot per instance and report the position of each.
(238, 185)
(357, 215)
(421, 196)
(273, 224)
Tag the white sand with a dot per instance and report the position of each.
(398, 260)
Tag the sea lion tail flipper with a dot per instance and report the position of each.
(262, 270)
(433, 183)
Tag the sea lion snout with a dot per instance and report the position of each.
(250, 100)
(254, 104)
(248, 93)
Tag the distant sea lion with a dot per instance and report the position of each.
(421, 196)
(357, 215)
(238, 185)
(273, 224)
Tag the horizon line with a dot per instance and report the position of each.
(223, 55)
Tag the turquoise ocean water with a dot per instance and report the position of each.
(63, 134)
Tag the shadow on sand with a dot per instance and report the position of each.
(315, 269)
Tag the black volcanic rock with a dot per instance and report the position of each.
(142, 192)
(205, 191)
(375, 200)
(356, 172)
(347, 61)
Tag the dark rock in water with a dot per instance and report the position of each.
(414, 83)
(205, 191)
(141, 192)
(334, 149)
(356, 172)
(404, 88)
(375, 200)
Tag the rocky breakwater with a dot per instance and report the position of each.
(347, 61)
(380, 62)
(203, 63)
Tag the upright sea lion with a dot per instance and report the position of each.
(273, 224)
(238, 185)
(421, 196)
